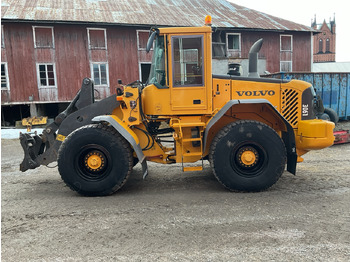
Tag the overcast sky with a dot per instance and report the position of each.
(302, 11)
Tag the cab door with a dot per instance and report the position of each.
(187, 73)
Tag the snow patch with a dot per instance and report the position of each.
(13, 133)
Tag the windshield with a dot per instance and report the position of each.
(157, 74)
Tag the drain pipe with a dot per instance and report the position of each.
(253, 58)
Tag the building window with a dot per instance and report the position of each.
(328, 49)
(145, 69)
(46, 75)
(97, 38)
(320, 46)
(286, 66)
(142, 39)
(286, 53)
(233, 41)
(43, 37)
(233, 45)
(286, 43)
(4, 77)
(100, 73)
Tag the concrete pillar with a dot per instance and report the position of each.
(33, 110)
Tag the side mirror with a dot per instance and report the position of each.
(150, 41)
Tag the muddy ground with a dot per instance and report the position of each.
(175, 216)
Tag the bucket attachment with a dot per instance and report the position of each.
(31, 146)
(42, 149)
(39, 149)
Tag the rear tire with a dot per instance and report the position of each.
(247, 156)
(95, 160)
(333, 116)
(324, 116)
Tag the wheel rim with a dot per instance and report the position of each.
(248, 159)
(93, 162)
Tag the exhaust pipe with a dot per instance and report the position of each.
(253, 58)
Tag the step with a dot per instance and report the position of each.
(192, 168)
(192, 139)
(188, 124)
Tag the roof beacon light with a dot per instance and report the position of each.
(208, 20)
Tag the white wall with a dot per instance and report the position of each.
(220, 66)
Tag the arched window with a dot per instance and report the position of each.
(320, 46)
(328, 46)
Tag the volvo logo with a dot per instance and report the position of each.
(256, 93)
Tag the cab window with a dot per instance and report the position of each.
(187, 53)
(157, 72)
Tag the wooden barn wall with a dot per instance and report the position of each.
(302, 52)
(122, 53)
(5, 95)
(72, 62)
(71, 56)
(19, 51)
(271, 49)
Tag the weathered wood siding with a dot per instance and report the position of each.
(301, 54)
(71, 56)
(19, 55)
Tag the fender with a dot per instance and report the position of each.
(288, 137)
(129, 135)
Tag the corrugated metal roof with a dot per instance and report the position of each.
(145, 12)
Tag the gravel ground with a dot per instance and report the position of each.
(175, 216)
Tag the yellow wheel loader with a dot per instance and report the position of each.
(248, 128)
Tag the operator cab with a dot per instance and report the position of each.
(181, 64)
(187, 53)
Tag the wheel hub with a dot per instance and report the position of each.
(248, 157)
(94, 161)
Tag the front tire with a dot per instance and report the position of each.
(247, 156)
(95, 160)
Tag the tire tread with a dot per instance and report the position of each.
(222, 133)
(125, 146)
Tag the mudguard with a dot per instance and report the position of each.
(129, 135)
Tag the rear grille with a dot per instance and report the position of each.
(290, 106)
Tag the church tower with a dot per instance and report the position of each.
(324, 42)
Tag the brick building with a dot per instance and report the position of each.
(324, 42)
